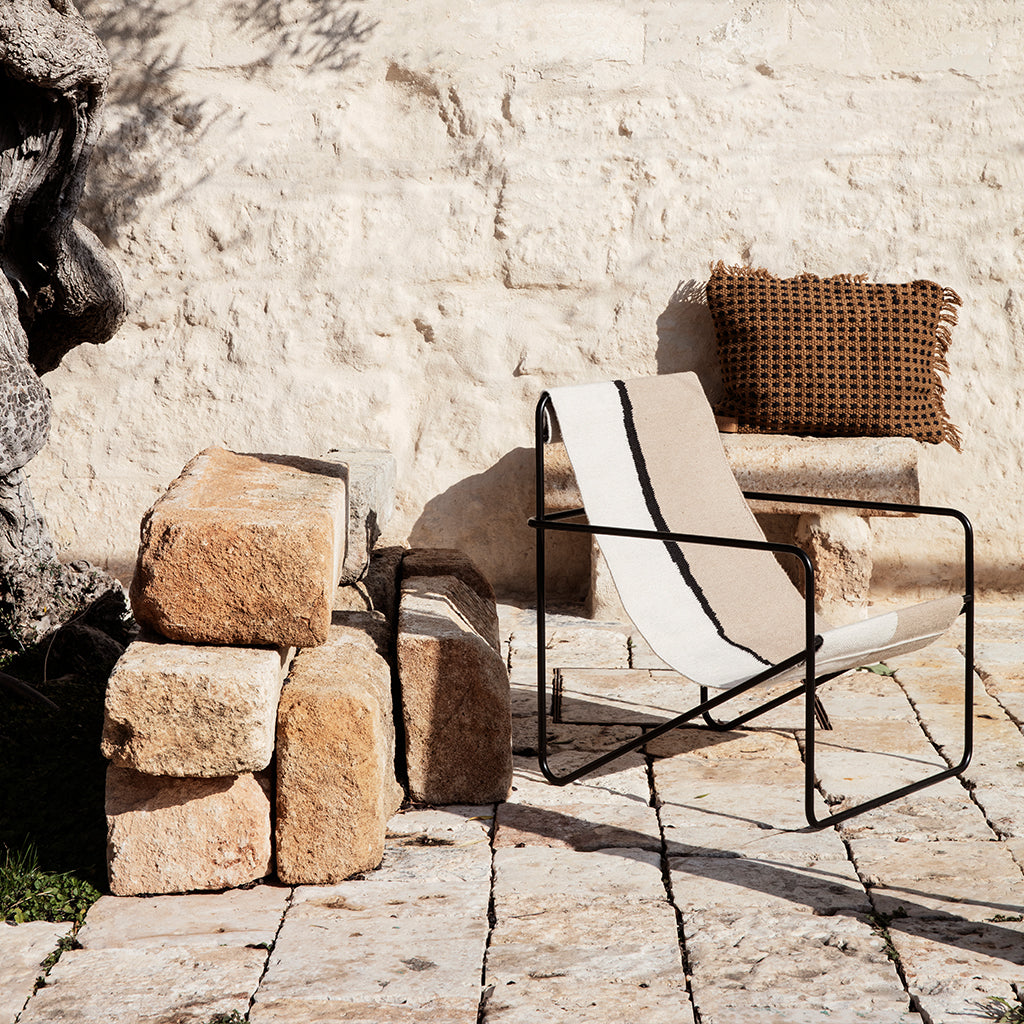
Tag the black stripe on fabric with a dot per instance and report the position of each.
(651, 499)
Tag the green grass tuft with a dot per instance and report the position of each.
(28, 893)
(1001, 1010)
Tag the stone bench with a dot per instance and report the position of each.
(838, 541)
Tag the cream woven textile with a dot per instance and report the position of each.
(647, 455)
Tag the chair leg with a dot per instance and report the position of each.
(810, 789)
(819, 709)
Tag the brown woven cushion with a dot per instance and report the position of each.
(832, 356)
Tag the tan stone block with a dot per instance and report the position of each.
(371, 603)
(451, 562)
(371, 477)
(839, 545)
(203, 711)
(167, 835)
(455, 694)
(336, 785)
(244, 549)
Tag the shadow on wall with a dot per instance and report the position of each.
(150, 120)
(485, 515)
(686, 337)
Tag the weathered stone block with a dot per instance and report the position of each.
(447, 562)
(455, 694)
(336, 784)
(244, 550)
(203, 711)
(371, 603)
(839, 545)
(371, 479)
(428, 562)
(169, 835)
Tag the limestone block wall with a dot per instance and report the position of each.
(390, 225)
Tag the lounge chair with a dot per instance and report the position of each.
(697, 576)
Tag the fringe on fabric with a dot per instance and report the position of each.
(737, 271)
(946, 320)
(940, 362)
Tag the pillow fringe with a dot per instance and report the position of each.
(940, 363)
(721, 267)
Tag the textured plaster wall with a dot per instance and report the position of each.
(387, 223)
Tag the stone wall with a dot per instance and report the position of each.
(372, 224)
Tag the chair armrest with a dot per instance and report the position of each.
(556, 521)
(917, 510)
(882, 506)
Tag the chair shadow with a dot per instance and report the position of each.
(823, 892)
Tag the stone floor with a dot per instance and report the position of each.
(675, 887)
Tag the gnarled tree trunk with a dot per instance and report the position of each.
(59, 288)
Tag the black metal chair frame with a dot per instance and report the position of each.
(559, 521)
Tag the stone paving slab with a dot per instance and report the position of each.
(1003, 659)
(837, 965)
(628, 696)
(758, 794)
(822, 888)
(960, 999)
(943, 811)
(542, 1001)
(697, 853)
(545, 878)
(940, 685)
(1000, 795)
(940, 950)
(23, 948)
(586, 944)
(147, 986)
(624, 779)
(238, 917)
(578, 826)
(584, 647)
(344, 950)
(523, 695)
(568, 740)
(457, 825)
(969, 881)
(332, 1011)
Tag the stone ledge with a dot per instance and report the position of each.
(859, 468)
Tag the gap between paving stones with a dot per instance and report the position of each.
(923, 999)
(770, 911)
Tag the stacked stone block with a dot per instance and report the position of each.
(238, 565)
(455, 690)
(252, 650)
(244, 550)
(336, 784)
